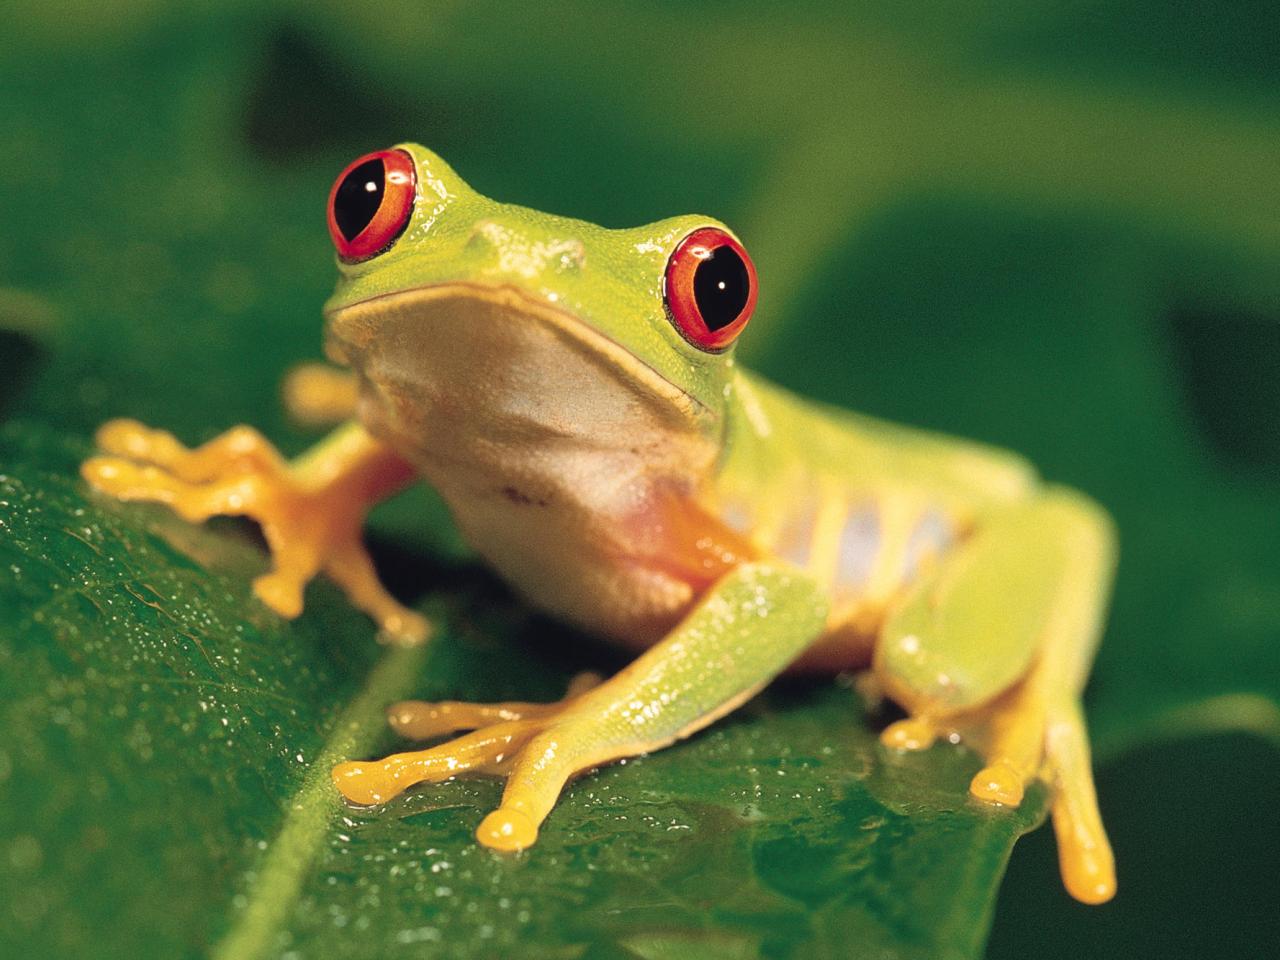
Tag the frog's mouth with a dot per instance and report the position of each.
(492, 335)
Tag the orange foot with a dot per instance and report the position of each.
(311, 510)
(1023, 736)
(535, 745)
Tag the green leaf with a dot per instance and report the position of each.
(168, 742)
(963, 221)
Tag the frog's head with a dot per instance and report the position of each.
(437, 281)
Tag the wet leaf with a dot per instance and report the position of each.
(172, 739)
(954, 229)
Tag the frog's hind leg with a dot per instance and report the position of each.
(997, 639)
(1015, 745)
(1084, 854)
(1032, 732)
(911, 733)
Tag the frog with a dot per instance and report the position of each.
(572, 393)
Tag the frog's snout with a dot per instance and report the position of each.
(524, 254)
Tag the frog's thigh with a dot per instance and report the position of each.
(1031, 583)
(1002, 635)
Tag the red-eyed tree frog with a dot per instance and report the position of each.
(572, 393)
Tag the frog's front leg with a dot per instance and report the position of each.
(753, 622)
(320, 395)
(997, 639)
(311, 509)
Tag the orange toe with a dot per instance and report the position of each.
(998, 783)
(364, 783)
(508, 830)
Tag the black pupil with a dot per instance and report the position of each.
(359, 196)
(721, 287)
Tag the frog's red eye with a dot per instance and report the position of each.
(710, 288)
(370, 204)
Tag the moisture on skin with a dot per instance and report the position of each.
(597, 443)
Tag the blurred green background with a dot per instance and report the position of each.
(1050, 226)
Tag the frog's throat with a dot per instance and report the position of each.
(352, 328)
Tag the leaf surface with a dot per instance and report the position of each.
(947, 239)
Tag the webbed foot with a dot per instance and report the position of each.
(910, 733)
(1030, 736)
(537, 746)
(311, 510)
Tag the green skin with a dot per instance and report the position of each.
(528, 367)
(991, 633)
(614, 285)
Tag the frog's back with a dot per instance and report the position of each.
(861, 504)
(858, 451)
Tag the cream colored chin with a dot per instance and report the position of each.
(543, 436)
(458, 369)
(408, 319)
